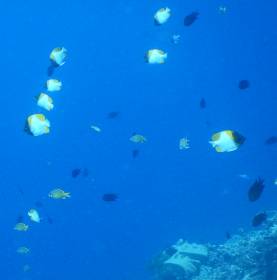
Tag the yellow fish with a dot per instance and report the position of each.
(59, 194)
(58, 55)
(23, 250)
(34, 215)
(156, 56)
(184, 144)
(138, 138)
(21, 227)
(226, 141)
(38, 124)
(162, 16)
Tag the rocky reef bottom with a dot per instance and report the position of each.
(245, 256)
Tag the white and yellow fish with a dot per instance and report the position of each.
(226, 141)
(95, 128)
(38, 124)
(53, 85)
(21, 227)
(58, 55)
(59, 194)
(45, 101)
(162, 16)
(137, 138)
(34, 215)
(23, 250)
(155, 56)
(184, 143)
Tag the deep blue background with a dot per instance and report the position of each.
(165, 193)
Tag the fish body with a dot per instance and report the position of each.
(45, 101)
(34, 215)
(95, 128)
(38, 124)
(203, 103)
(110, 197)
(184, 143)
(135, 153)
(59, 194)
(58, 56)
(259, 219)
(75, 172)
(138, 138)
(21, 227)
(271, 140)
(256, 190)
(51, 69)
(226, 141)
(113, 115)
(243, 84)
(53, 85)
(162, 16)
(23, 250)
(175, 39)
(191, 18)
(155, 56)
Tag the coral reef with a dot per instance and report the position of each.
(245, 256)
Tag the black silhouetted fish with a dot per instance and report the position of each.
(113, 115)
(203, 103)
(26, 128)
(110, 197)
(271, 140)
(227, 235)
(20, 219)
(38, 204)
(75, 172)
(256, 189)
(50, 220)
(259, 219)
(135, 153)
(244, 84)
(191, 18)
(51, 69)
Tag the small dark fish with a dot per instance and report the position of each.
(244, 84)
(38, 204)
(203, 103)
(26, 128)
(113, 115)
(227, 235)
(135, 153)
(271, 140)
(255, 190)
(75, 172)
(51, 69)
(50, 220)
(259, 219)
(110, 197)
(85, 172)
(20, 219)
(191, 18)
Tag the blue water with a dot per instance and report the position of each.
(165, 193)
